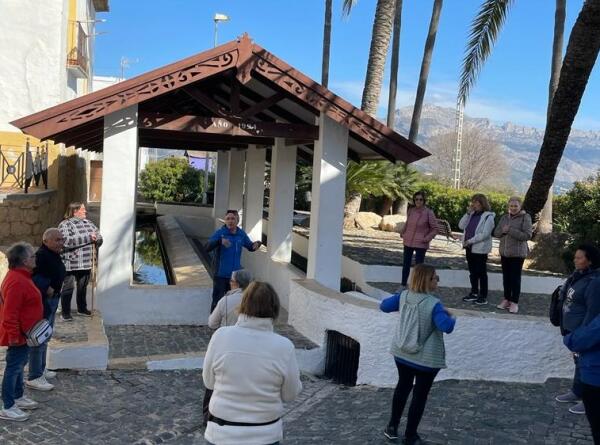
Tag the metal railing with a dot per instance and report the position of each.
(78, 54)
(20, 167)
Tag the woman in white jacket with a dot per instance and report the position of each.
(251, 371)
(477, 226)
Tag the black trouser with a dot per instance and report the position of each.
(591, 401)
(407, 260)
(422, 384)
(220, 287)
(477, 263)
(511, 277)
(75, 279)
(205, 403)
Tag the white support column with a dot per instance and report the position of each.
(117, 211)
(221, 197)
(327, 205)
(237, 161)
(281, 201)
(255, 191)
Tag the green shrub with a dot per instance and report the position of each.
(172, 180)
(450, 204)
(577, 212)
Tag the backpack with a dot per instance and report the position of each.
(408, 327)
(556, 306)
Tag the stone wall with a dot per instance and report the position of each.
(3, 263)
(24, 217)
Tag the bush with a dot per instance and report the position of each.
(450, 204)
(578, 213)
(172, 180)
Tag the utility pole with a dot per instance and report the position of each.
(456, 159)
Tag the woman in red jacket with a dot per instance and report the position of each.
(20, 309)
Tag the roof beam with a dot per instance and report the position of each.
(262, 105)
(207, 102)
(227, 126)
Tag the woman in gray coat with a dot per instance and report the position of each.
(514, 230)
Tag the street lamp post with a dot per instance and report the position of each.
(207, 158)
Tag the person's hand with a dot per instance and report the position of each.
(469, 209)
(450, 313)
(505, 228)
(256, 245)
(466, 243)
(225, 242)
(50, 291)
(454, 237)
(94, 236)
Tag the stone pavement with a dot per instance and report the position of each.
(143, 408)
(529, 304)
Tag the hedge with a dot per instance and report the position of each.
(450, 204)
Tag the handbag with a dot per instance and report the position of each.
(39, 333)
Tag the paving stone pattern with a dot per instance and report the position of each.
(71, 331)
(529, 304)
(146, 408)
(141, 341)
(386, 248)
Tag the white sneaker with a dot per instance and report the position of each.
(49, 374)
(26, 403)
(14, 413)
(41, 384)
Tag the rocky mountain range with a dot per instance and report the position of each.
(521, 144)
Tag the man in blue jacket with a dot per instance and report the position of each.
(228, 242)
(585, 341)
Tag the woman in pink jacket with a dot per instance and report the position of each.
(420, 228)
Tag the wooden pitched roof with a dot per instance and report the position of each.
(238, 85)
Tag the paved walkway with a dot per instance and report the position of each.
(140, 407)
(529, 304)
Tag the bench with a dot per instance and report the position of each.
(445, 230)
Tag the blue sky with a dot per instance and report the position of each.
(513, 85)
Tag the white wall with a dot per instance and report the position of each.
(32, 57)
(482, 347)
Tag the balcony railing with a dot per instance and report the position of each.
(78, 58)
(20, 167)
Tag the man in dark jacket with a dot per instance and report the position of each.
(48, 276)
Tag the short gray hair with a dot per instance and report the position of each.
(18, 253)
(48, 233)
(242, 277)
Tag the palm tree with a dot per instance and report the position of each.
(380, 41)
(326, 44)
(376, 178)
(581, 54)
(545, 223)
(424, 74)
(391, 111)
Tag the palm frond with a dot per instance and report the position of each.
(347, 6)
(482, 37)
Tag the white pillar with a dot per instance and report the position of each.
(237, 161)
(221, 196)
(327, 204)
(281, 201)
(117, 211)
(255, 191)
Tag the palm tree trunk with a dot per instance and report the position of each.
(545, 223)
(580, 57)
(425, 65)
(380, 41)
(351, 208)
(391, 111)
(326, 44)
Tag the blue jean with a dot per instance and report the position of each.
(37, 354)
(12, 383)
(407, 261)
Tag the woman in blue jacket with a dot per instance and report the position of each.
(418, 348)
(585, 341)
(228, 242)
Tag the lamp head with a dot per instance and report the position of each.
(221, 17)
